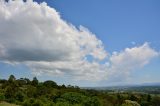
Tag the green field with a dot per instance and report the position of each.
(6, 104)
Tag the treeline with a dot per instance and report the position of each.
(25, 92)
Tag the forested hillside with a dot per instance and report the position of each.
(25, 92)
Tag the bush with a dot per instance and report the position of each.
(37, 103)
(20, 96)
(72, 97)
(32, 102)
(130, 103)
(156, 101)
(2, 97)
(63, 104)
(145, 103)
(26, 103)
(11, 100)
(91, 101)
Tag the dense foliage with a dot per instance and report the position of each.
(25, 92)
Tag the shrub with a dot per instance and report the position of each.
(72, 97)
(20, 96)
(26, 103)
(2, 97)
(63, 104)
(130, 103)
(91, 101)
(37, 103)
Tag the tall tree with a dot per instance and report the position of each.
(35, 81)
(11, 78)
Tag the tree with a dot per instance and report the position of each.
(20, 96)
(148, 98)
(92, 101)
(11, 78)
(63, 86)
(27, 81)
(2, 97)
(21, 82)
(31, 91)
(156, 101)
(2, 81)
(34, 81)
(133, 97)
(50, 83)
(72, 97)
(37, 103)
(9, 92)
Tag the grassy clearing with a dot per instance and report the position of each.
(6, 104)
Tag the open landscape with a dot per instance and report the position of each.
(79, 52)
(25, 92)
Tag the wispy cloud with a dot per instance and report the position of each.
(35, 35)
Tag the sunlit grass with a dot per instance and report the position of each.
(6, 104)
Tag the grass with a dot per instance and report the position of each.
(6, 104)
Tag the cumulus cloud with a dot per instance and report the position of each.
(131, 59)
(35, 35)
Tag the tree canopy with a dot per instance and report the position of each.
(26, 92)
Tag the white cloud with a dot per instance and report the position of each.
(35, 35)
(136, 56)
(130, 59)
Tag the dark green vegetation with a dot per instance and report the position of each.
(24, 92)
(7, 104)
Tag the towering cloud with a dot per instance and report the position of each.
(35, 35)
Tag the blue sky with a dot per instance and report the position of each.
(116, 22)
(119, 24)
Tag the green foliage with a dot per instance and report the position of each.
(21, 82)
(11, 78)
(93, 101)
(35, 81)
(62, 104)
(26, 103)
(32, 102)
(34, 93)
(37, 103)
(2, 97)
(72, 97)
(63, 86)
(50, 83)
(156, 101)
(145, 103)
(20, 96)
(148, 98)
(133, 97)
(130, 103)
(31, 91)
(9, 92)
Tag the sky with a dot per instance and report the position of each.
(82, 42)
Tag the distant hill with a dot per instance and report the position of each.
(151, 84)
(153, 88)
